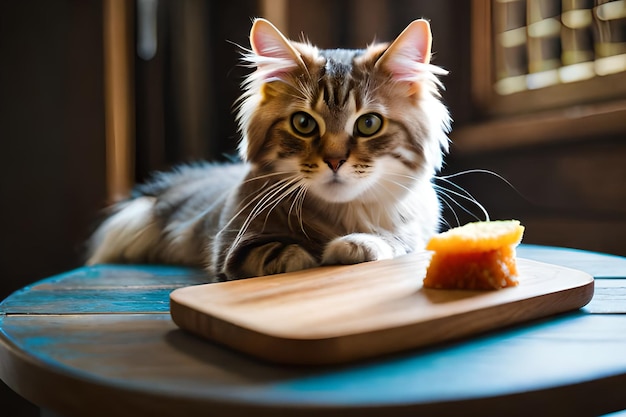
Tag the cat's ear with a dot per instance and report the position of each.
(403, 58)
(275, 55)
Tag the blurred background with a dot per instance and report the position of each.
(96, 94)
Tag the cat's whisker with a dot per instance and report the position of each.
(261, 195)
(465, 196)
(268, 175)
(446, 222)
(285, 191)
(294, 187)
(296, 205)
(446, 199)
(477, 171)
(463, 193)
(261, 205)
(299, 212)
(460, 192)
(270, 188)
(271, 198)
(447, 179)
(253, 199)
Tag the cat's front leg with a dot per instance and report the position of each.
(359, 247)
(271, 258)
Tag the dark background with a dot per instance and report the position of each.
(52, 125)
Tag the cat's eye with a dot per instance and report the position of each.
(303, 123)
(368, 125)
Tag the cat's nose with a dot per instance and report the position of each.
(334, 163)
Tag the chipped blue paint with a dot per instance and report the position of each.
(88, 301)
(104, 288)
(131, 275)
(560, 351)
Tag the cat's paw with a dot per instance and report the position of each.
(276, 258)
(294, 258)
(355, 248)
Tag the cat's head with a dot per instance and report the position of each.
(351, 124)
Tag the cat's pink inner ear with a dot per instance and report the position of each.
(410, 47)
(267, 41)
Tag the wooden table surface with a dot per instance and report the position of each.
(99, 341)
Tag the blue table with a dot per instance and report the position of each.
(99, 341)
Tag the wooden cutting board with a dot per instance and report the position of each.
(339, 314)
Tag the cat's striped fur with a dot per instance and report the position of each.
(340, 150)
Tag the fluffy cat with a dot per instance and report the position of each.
(340, 148)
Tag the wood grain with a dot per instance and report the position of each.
(104, 289)
(119, 98)
(142, 365)
(112, 360)
(344, 313)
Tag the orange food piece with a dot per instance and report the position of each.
(477, 256)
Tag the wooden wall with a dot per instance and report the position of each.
(51, 142)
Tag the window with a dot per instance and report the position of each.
(547, 69)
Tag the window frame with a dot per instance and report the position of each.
(596, 106)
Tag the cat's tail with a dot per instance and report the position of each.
(128, 235)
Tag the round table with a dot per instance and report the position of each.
(99, 341)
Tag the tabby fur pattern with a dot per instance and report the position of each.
(339, 148)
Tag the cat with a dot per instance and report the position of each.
(339, 149)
